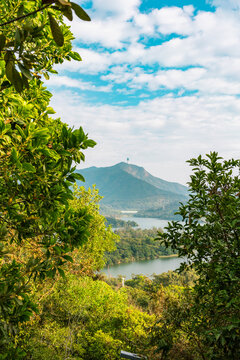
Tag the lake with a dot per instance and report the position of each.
(147, 223)
(144, 267)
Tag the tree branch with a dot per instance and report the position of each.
(25, 16)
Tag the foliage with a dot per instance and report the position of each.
(37, 161)
(167, 211)
(129, 187)
(137, 244)
(29, 33)
(116, 223)
(209, 238)
(87, 319)
(91, 256)
(185, 279)
(168, 296)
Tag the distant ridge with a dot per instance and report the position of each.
(130, 187)
(141, 173)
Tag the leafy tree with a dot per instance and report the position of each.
(87, 319)
(91, 257)
(209, 239)
(38, 227)
(30, 31)
(136, 244)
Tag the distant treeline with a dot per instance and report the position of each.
(136, 244)
(167, 212)
(116, 223)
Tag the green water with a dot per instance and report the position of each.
(144, 267)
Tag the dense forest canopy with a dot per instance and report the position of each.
(137, 244)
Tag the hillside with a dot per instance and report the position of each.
(127, 187)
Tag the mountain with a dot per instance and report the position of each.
(141, 173)
(130, 187)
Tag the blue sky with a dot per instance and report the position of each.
(159, 82)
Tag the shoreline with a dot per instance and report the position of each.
(129, 262)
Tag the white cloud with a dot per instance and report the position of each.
(173, 20)
(159, 134)
(211, 41)
(226, 4)
(174, 48)
(60, 81)
(92, 62)
(123, 9)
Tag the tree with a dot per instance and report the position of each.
(209, 240)
(92, 255)
(38, 227)
(87, 319)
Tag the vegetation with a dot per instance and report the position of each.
(129, 187)
(87, 319)
(38, 227)
(117, 223)
(137, 244)
(101, 239)
(210, 240)
(167, 212)
(53, 238)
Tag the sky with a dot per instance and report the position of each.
(159, 82)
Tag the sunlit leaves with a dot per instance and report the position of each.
(74, 55)
(209, 237)
(38, 155)
(33, 30)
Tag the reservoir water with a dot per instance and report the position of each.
(144, 267)
(147, 223)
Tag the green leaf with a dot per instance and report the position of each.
(78, 176)
(67, 11)
(62, 273)
(25, 82)
(20, 10)
(25, 71)
(50, 110)
(56, 31)
(57, 249)
(75, 56)
(28, 167)
(9, 70)
(2, 42)
(80, 12)
(17, 41)
(20, 131)
(14, 155)
(90, 143)
(17, 81)
(68, 258)
(51, 154)
(45, 74)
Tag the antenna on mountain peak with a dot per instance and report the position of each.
(127, 160)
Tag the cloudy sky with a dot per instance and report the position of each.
(159, 82)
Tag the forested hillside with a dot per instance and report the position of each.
(125, 186)
(137, 244)
(116, 223)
